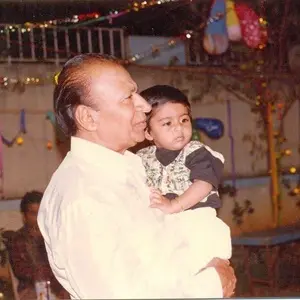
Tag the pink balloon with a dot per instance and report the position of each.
(250, 26)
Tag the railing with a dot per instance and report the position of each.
(237, 56)
(56, 44)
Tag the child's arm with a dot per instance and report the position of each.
(206, 167)
(193, 195)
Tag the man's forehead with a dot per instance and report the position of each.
(111, 72)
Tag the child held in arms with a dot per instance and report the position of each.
(183, 175)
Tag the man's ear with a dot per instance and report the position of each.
(148, 136)
(84, 118)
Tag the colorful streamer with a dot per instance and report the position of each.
(22, 130)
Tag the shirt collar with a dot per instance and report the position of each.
(166, 156)
(100, 155)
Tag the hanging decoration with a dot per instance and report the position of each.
(250, 25)
(134, 7)
(156, 50)
(216, 38)
(196, 135)
(232, 22)
(19, 84)
(64, 21)
(87, 19)
(19, 139)
(213, 128)
(18, 136)
(239, 21)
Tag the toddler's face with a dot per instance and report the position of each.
(170, 126)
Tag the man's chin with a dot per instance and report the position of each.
(138, 138)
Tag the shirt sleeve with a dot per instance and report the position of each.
(104, 259)
(205, 166)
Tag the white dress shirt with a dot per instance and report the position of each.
(103, 240)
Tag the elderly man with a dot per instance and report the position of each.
(102, 239)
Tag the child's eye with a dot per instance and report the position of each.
(167, 124)
(185, 120)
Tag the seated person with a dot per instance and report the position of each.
(27, 252)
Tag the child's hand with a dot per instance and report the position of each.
(157, 200)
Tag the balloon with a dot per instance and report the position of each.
(232, 22)
(250, 26)
(215, 44)
(213, 128)
(216, 39)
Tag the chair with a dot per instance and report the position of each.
(14, 282)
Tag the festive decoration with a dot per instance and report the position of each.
(216, 39)
(56, 78)
(49, 145)
(196, 135)
(236, 22)
(232, 22)
(19, 141)
(155, 50)
(28, 26)
(21, 130)
(213, 128)
(15, 84)
(135, 7)
(51, 117)
(85, 19)
(18, 84)
(19, 137)
(250, 25)
(73, 19)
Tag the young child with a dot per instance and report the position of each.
(183, 175)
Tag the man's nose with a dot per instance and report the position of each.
(142, 104)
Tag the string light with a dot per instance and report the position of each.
(84, 19)
(15, 83)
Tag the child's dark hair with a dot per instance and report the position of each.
(158, 95)
(33, 197)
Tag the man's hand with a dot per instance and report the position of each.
(226, 274)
